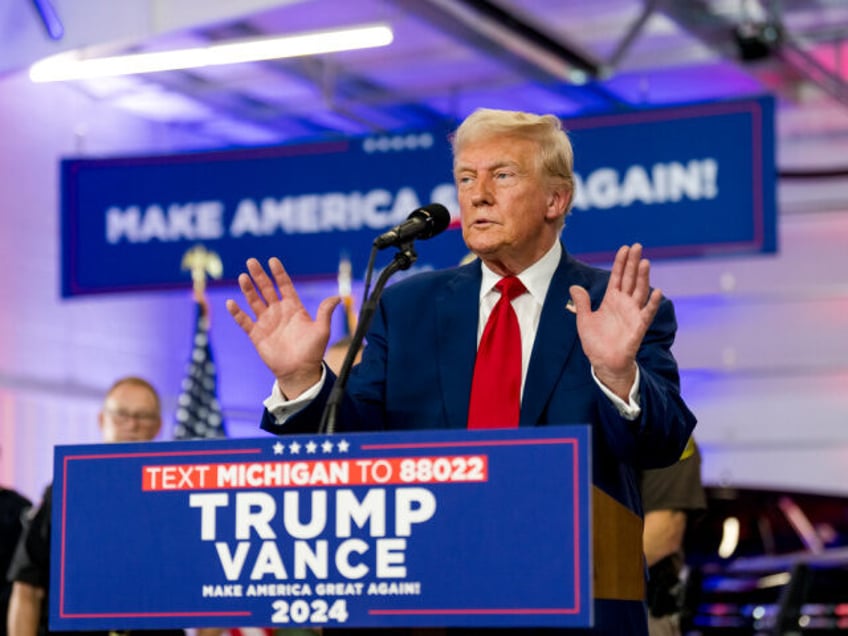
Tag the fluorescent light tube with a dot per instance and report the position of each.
(73, 66)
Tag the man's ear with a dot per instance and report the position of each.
(558, 202)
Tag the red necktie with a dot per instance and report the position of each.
(496, 386)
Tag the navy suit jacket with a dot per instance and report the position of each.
(416, 374)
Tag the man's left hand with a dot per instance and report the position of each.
(612, 334)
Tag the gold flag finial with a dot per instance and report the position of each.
(201, 262)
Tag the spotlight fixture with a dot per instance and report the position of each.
(757, 41)
(73, 65)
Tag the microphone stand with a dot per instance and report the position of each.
(403, 259)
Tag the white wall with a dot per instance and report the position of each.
(763, 344)
(762, 341)
(58, 357)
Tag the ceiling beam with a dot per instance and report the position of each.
(552, 62)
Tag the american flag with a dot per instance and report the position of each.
(198, 412)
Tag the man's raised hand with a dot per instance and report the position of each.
(612, 334)
(285, 336)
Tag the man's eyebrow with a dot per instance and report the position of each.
(503, 163)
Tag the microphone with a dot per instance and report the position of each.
(423, 223)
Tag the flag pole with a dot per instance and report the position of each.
(202, 262)
(345, 284)
(199, 413)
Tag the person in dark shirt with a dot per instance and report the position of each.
(131, 413)
(13, 505)
(672, 498)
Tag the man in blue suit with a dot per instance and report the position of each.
(595, 345)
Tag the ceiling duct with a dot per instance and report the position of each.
(508, 38)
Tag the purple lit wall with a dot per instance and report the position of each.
(57, 358)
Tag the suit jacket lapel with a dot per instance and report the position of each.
(555, 339)
(457, 307)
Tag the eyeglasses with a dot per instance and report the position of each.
(123, 418)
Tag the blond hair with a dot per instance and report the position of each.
(556, 156)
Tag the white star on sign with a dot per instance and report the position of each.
(343, 446)
(327, 446)
(294, 448)
(311, 447)
(279, 448)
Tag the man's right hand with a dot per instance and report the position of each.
(286, 337)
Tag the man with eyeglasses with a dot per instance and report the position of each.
(131, 413)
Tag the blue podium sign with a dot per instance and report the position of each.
(430, 528)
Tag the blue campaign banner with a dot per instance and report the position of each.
(689, 181)
(404, 529)
(686, 182)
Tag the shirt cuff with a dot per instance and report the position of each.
(629, 410)
(282, 408)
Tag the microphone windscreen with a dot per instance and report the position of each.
(438, 219)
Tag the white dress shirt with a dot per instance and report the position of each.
(528, 309)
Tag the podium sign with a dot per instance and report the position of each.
(420, 528)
